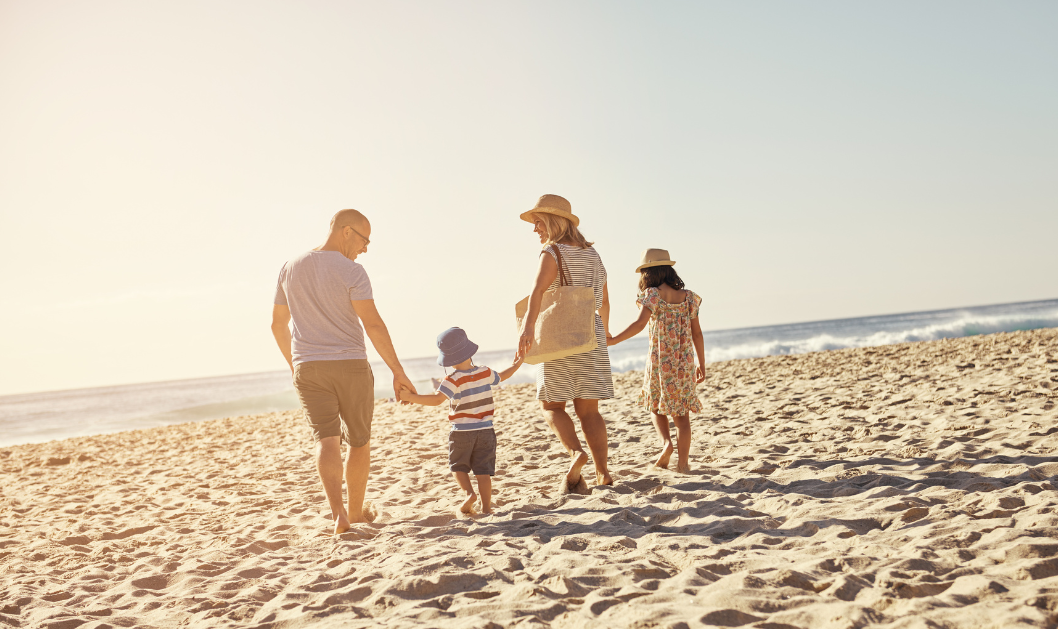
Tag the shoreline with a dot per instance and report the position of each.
(897, 483)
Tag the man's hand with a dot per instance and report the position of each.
(400, 380)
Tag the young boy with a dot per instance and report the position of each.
(472, 441)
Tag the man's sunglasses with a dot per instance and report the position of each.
(367, 241)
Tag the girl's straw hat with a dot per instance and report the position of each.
(654, 257)
(552, 204)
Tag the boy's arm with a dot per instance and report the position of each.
(510, 371)
(636, 327)
(433, 399)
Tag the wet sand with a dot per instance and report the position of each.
(900, 486)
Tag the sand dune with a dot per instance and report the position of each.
(899, 486)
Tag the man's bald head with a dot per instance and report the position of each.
(351, 218)
(350, 234)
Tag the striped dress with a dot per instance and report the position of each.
(584, 376)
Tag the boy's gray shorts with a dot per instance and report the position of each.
(472, 451)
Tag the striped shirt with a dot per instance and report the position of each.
(469, 395)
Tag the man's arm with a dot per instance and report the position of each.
(378, 333)
(281, 330)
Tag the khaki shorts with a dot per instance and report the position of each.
(338, 397)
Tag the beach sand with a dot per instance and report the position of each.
(900, 486)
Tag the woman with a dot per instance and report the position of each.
(583, 378)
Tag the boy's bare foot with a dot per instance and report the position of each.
(666, 454)
(468, 504)
(576, 463)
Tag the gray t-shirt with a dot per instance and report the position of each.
(317, 287)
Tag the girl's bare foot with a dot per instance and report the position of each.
(468, 504)
(576, 463)
(666, 454)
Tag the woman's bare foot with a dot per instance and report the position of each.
(666, 454)
(341, 524)
(576, 463)
(468, 504)
(603, 478)
(683, 467)
(487, 511)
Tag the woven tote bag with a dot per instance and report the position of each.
(566, 324)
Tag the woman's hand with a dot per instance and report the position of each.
(699, 374)
(610, 340)
(525, 342)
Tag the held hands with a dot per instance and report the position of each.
(401, 383)
(610, 340)
(519, 358)
(699, 374)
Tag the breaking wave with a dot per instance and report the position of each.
(840, 334)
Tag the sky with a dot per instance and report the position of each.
(801, 161)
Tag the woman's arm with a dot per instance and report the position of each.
(636, 327)
(545, 275)
(604, 311)
(699, 348)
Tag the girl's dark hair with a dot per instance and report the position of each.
(654, 276)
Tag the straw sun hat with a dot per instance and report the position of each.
(552, 204)
(654, 257)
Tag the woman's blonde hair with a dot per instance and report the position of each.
(558, 228)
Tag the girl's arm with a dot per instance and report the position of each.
(699, 348)
(636, 327)
(545, 274)
(433, 399)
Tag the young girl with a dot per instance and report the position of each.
(670, 375)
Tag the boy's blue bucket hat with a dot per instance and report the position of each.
(455, 347)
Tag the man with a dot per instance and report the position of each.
(328, 295)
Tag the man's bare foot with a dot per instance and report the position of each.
(603, 478)
(468, 504)
(576, 463)
(666, 454)
(341, 525)
(683, 468)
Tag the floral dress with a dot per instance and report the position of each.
(668, 380)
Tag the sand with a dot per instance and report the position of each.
(901, 486)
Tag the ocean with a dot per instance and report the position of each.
(37, 417)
